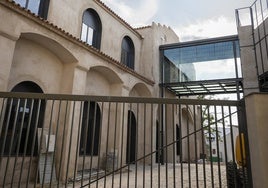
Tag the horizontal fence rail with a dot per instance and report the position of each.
(98, 141)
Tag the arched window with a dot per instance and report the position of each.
(127, 52)
(39, 7)
(22, 119)
(91, 28)
(90, 130)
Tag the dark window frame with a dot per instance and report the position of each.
(93, 23)
(128, 52)
(42, 10)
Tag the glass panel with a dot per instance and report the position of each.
(124, 57)
(33, 5)
(21, 2)
(90, 32)
(84, 33)
(202, 62)
(244, 17)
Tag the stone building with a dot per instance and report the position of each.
(81, 48)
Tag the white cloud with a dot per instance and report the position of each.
(135, 16)
(214, 27)
(217, 69)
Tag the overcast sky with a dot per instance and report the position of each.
(190, 19)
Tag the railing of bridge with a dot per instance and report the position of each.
(98, 141)
(255, 16)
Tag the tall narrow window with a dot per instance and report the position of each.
(90, 130)
(127, 52)
(39, 7)
(91, 28)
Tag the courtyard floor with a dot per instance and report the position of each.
(164, 176)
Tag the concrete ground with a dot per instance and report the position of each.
(149, 177)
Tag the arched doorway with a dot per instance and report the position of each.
(131, 138)
(22, 119)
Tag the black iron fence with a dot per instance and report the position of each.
(91, 141)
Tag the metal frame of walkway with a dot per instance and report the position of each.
(204, 50)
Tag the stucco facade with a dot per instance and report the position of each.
(51, 54)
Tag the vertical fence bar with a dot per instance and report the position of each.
(152, 125)
(85, 125)
(39, 147)
(188, 145)
(12, 139)
(136, 145)
(92, 138)
(100, 138)
(195, 141)
(231, 126)
(224, 140)
(26, 139)
(107, 142)
(33, 144)
(70, 144)
(202, 111)
(47, 145)
(241, 138)
(114, 154)
(56, 138)
(5, 134)
(77, 141)
(144, 141)
(248, 174)
(181, 144)
(129, 125)
(159, 140)
(166, 141)
(174, 141)
(62, 143)
(122, 144)
(210, 146)
(2, 112)
(218, 137)
(19, 140)
(233, 164)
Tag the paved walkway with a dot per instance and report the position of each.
(163, 176)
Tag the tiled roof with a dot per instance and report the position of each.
(54, 28)
(143, 27)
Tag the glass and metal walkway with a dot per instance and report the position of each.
(210, 66)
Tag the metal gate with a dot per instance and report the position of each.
(97, 141)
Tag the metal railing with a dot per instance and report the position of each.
(253, 15)
(256, 16)
(98, 141)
